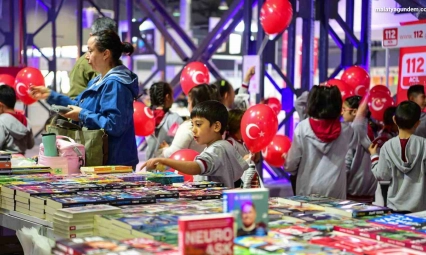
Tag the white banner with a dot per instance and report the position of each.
(404, 36)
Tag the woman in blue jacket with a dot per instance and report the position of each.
(107, 103)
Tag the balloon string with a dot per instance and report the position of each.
(263, 45)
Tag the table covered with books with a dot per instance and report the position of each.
(156, 213)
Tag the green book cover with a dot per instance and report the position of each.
(250, 209)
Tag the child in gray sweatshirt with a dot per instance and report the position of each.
(402, 161)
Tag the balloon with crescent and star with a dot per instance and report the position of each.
(26, 78)
(193, 74)
(258, 127)
(143, 119)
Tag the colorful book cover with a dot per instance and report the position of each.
(90, 245)
(206, 235)
(150, 245)
(299, 233)
(351, 244)
(300, 200)
(250, 209)
(400, 221)
(360, 228)
(269, 245)
(401, 238)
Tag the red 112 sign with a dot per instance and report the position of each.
(390, 37)
(413, 68)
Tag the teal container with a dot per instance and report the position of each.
(49, 143)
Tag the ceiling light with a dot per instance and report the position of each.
(223, 6)
(176, 12)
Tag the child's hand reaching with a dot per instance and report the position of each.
(151, 164)
(249, 75)
(373, 148)
(363, 107)
(164, 145)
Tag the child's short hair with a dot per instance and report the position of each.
(212, 111)
(234, 120)
(324, 102)
(202, 93)
(223, 86)
(157, 93)
(407, 114)
(7, 96)
(353, 101)
(415, 90)
(388, 115)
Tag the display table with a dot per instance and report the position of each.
(16, 221)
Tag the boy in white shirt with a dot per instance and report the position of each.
(219, 161)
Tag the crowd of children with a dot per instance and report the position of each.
(335, 151)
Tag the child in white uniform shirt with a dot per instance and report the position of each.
(219, 161)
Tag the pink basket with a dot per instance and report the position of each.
(71, 156)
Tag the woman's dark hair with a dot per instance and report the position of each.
(203, 92)
(109, 40)
(324, 102)
(234, 121)
(223, 86)
(157, 93)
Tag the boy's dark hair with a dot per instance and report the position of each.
(324, 102)
(7, 96)
(415, 90)
(223, 86)
(202, 93)
(234, 120)
(104, 23)
(212, 111)
(407, 114)
(388, 115)
(157, 93)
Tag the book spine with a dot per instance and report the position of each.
(346, 230)
(181, 237)
(392, 241)
(416, 246)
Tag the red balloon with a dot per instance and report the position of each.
(273, 153)
(7, 79)
(275, 16)
(378, 102)
(258, 127)
(275, 104)
(27, 77)
(185, 155)
(193, 74)
(143, 119)
(380, 88)
(345, 89)
(358, 78)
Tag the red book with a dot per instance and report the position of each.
(206, 234)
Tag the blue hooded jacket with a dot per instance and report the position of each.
(108, 104)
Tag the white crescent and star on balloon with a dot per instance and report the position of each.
(148, 113)
(195, 77)
(18, 88)
(249, 126)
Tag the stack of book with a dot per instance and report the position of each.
(5, 161)
(105, 169)
(79, 221)
(101, 245)
(346, 208)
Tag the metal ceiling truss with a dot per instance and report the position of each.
(206, 48)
